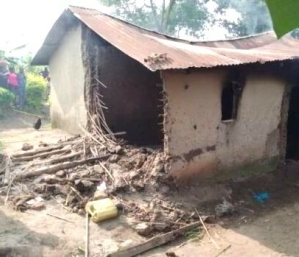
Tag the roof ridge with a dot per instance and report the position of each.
(174, 38)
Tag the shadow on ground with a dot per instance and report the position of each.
(18, 240)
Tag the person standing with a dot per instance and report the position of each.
(13, 84)
(22, 87)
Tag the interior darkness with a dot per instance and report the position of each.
(231, 93)
(227, 101)
(132, 95)
(293, 126)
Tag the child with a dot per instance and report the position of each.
(13, 84)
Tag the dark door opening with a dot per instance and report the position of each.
(292, 151)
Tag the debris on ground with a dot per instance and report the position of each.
(80, 170)
(154, 242)
(224, 209)
(260, 197)
(27, 147)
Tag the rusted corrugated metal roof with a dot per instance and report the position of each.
(139, 43)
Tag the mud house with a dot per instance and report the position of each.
(216, 107)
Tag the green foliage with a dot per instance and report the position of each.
(35, 91)
(285, 15)
(255, 17)
(6, 100)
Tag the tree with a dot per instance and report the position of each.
(285, 15)
(255, 17)
(192, 17)
(168, 17)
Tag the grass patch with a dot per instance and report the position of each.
(194, 234)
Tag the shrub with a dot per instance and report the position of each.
(35, 91)
(6, 100)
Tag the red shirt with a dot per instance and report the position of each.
(12, 79)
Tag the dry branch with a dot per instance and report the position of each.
(61, 159)
(62, 166)
(153, 242)
(38, 151)
(7, 170)
(42, 155)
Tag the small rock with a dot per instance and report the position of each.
(98, 169)
(164, 189)
(81, 212)
(171, 254)
(144, 229)
(74, 176)
(42, 144)
(134, 175)
(126, 243)
(98, 195)
(83, 185)
(51, 179)
(173, 216)
(138, 185)
(225, 208)
(27, 147)
(119, 184)
(87, 184)
(140, 161)
(157, 170)
(161, 227)
(37, 206)
(75, 209)
(119, 149)
(60, 173)
(114, 158)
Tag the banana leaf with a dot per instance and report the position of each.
(285, 15)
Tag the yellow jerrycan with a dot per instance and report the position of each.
(100, 210)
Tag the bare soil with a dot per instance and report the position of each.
(255, 229)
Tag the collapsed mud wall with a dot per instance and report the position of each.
(201, 144)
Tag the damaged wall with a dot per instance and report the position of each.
(133, 93)
(68, 110)
(200, 143)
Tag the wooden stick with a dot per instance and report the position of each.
(45, 149)
(38, 151)
(64, 207)
(223, 251)
(57, 217)
(153, 242)
(60, 159)
(54, 168)
(107, 171)
(7, 170)
(8, 190)
(77, 193)
(207, 231)
(87, 236)
(42, 155)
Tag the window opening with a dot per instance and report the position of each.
(230, 97)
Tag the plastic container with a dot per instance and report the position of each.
(100, 210)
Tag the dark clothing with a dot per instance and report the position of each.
(45, 74)
(22, 89)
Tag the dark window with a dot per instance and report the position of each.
(231, 94)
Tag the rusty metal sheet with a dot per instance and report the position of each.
(139, 44)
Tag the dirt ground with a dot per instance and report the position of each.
(268, 229)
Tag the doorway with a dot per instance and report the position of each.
(292, 151)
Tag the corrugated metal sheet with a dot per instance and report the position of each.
(139, 43)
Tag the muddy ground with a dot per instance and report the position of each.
(267, 229)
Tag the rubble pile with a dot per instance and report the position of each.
(78, 170)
